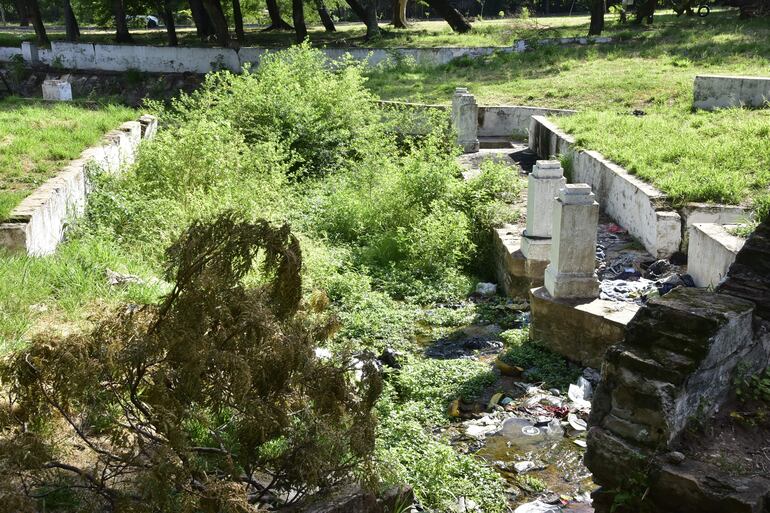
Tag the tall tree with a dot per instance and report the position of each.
(167, 13)
(70, 22)
(326, 19)
(367, 13)
(597, 8)
(33, 10)
(122, 34)
(452, 16)
(298, 16)
(399, 13)
(276, 22)
(217, 15)
(645, 10)
(203, 26)
(238, 21)
(21, 8)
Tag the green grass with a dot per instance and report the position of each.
(37, 139)
(704, 156)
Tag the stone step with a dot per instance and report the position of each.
(490, 143)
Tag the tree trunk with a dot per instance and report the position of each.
(298, 16)
(327, 20)
(399, 14)
(168, 19)
(21, 8)
(370, 19)
(276, 22)
(70, 22)
(238, 21)
(645, 10)
(452, 16)
(33, 9)
(217, 16)
(203, 25)
(121, 25)
(357, 9)
(597, 18)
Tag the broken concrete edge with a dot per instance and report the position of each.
(712, 92)
(515, 273)
(36, 226)
(694, 212)
(711, 252)
(581, 330)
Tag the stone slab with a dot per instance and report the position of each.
(580, 330)
(711, 92)
(515, 274)
(711, 252)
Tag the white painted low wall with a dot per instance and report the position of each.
(713, 92)
(7, 54)
(37, 225)
(637, 206)
(164, 59)
(709, 213)
(711, 252)
(512, 120)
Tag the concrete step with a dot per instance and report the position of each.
(489, 143)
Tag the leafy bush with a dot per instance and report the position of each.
(208, 400)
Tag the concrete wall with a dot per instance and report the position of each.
(713, 92)
(512, 120)
(634, 204)
(162, 59)
(711, 252)
(38, 224)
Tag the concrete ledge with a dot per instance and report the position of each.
(579, 329)
(712, 250)
(712, 92)
(37, 225)
(709, 213)
(638, 206)
(515, 274)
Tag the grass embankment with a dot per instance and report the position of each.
(37, 139)
(717, 157)
(419, 34)
(389, 233)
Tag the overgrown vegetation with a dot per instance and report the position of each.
(386, 225)
(542, 365)
(36, 139)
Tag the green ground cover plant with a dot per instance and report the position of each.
(37, 139)
(373, 221)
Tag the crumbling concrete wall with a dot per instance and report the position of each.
(677, 363)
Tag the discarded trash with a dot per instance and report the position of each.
(506, 401)
(454, 408)
(523, 432)
(494, 400)
(580, 443)
(576, 422)
(523, 466)
(508, 370)
(486, 289)
(537, 507)
(116, 278)
(580, 394)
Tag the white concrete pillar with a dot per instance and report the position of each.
(29, 53)
(57, 90)
(571, 271)
(544, 182)
(465, 119)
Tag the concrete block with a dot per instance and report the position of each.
(578, 329)
(29, 52)
(712, 92)
(57, 90)
(149, 126)
(712, 250)
(512, 121)
(544, 183)
(465, 120)
(571, 271)
(515, 273)
(693, 213)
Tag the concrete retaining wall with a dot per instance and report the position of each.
(37, 225)
(163, 59)
(634, 204)
(712, 92)
(512, 120)
(712, 250)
